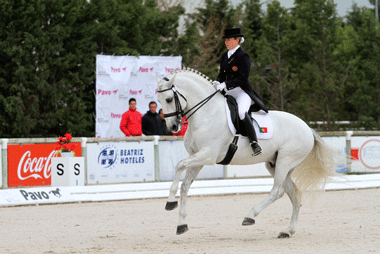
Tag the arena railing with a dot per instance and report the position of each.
(84, 141)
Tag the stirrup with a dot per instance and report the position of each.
(256, 148)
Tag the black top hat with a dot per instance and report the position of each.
(232, 32)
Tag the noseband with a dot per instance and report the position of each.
(179, 111)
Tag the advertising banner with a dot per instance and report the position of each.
(119, 78)
(365, 154)
(117, 162)
(30, 196)
(30, 165)
(171, 152)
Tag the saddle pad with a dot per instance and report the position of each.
(261, 122)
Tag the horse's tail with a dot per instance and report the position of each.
(311, 175)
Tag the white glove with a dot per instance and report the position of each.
(221, 87)
(215, 84)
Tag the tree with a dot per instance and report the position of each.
(46, 55)
(320, 83)
(211, 22)
(270, 72)
(363, 105)
(252, 26)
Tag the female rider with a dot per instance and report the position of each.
(233, 80)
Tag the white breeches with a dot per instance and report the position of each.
(243, 100)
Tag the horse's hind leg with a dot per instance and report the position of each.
(191, 174)
(276, 193)
(295, 197)
(283, 166)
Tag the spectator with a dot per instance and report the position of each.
(151, 121)
(130, 123)
(183, 129)
(164, 129)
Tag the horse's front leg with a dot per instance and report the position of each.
(171, 204)
(193, 165)
(191, 174)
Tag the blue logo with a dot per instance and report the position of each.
(107, 157)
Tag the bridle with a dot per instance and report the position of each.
(179, 113)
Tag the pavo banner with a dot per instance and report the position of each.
(119, 78)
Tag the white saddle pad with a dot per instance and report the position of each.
(261, 122)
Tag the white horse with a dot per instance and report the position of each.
(293, 147)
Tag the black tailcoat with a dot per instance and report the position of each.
(235, 72)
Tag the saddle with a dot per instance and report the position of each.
(257, 120)
(264, 132)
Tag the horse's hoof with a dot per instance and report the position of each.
(171, 205)
(182, 229)
(248, 221)
(283, 235)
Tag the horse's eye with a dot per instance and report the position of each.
(168, 100)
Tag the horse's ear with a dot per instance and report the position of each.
(158, 78)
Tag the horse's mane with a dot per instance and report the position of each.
(191, 71)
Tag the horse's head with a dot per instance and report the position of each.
(172, 101)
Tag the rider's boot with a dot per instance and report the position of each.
(251, 133)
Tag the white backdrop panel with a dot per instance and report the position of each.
(119, 78)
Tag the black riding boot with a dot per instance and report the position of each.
(251, 133)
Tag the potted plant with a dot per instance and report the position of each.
(64, 147)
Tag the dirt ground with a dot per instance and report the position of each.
(337, 222)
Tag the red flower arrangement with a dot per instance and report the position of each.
(63, 144)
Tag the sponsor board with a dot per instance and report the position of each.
(30, 165)
(118, 162)
(24, 196)
(365, 154)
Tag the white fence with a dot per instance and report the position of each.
(141, 167)
(27, 162)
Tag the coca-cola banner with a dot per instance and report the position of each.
(119, 78)
(120, 162)
(30, 165)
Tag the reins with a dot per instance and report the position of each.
(203, 102)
